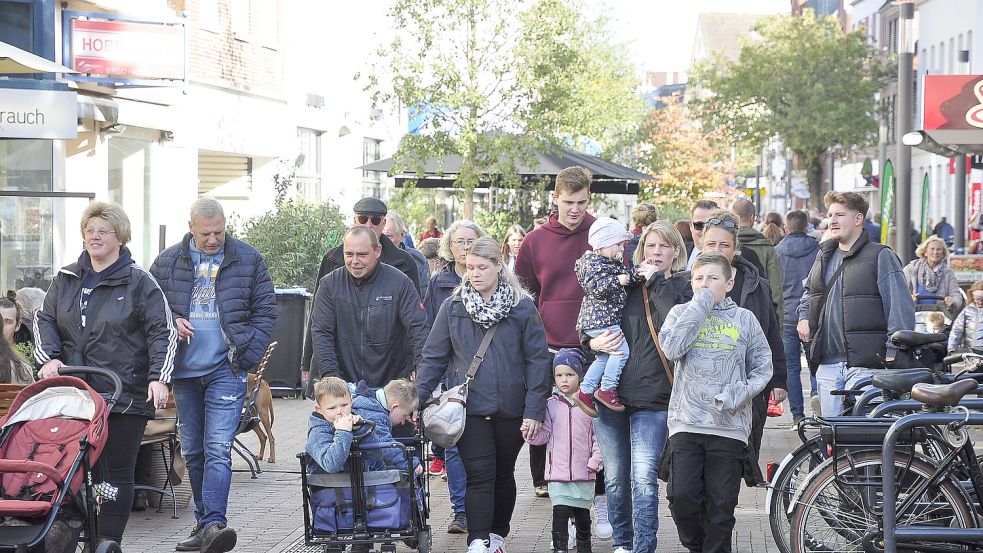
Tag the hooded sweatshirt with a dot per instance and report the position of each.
(722, 362)
(545, 266)
(796, 254)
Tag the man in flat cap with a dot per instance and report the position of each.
(370, 213)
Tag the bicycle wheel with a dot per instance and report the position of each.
(831, 516)
(787, 480)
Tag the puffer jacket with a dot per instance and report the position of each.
(604, 297)
(967, 329)
(796, 254)
(243, 292)
(132, 331)
(722, 362)
(574, 455)
(366, 404)
(513, 380)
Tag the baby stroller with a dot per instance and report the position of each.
(367, 507)
(49, 440)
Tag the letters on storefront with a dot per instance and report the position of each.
(128, 50)
(37, 113)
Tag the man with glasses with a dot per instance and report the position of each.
(701, 212)
(370, 213)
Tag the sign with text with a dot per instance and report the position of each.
(27, 113)
(953, 102)
(128, 50)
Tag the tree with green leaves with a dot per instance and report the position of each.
(496, 80)
(798, 78)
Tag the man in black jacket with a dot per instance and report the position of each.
(369, 213)
(367, 322)
(220, 292)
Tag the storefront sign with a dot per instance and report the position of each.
(37, 113)
(975, 208)
(128, 50)
(968, 268)
(953, 102)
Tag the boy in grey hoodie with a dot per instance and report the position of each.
(722, 361)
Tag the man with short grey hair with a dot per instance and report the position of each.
(218, 347)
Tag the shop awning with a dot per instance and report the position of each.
(609, 177)
(14, 61)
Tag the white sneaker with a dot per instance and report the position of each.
(496, 543)
(602, 528)
(571, 536)
(478, 546)
(622, 550)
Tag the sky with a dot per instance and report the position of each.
(660, 32)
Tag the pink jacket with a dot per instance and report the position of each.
(574, 455)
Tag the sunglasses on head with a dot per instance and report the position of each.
(376, 219)
(726, 223)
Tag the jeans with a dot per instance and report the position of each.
(631, 445)
(793, 362)
(118, 459)
(704, 484)
(836, 376)
(209, 408)
(457, 478)
(489, 448)
(606, 369)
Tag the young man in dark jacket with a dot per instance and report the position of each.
(753, 240)
(367, 322)
(221, 294)
(796, 254)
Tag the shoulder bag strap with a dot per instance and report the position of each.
(829, 286)
(479, 356)
(655, 335)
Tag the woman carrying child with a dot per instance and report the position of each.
(507, 398)
(574, 456)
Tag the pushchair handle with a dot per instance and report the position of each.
(362, 430)
(66, 370)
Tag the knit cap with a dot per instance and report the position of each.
(605, 232)
(571, 357)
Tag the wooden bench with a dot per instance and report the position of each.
(7, 394)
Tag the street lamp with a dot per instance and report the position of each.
(959, 211)
(906, 55)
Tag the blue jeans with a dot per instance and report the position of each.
(606, 368)
(793, 362)
(837, 376)
(457, 478)
(631, 445)
(209, 408)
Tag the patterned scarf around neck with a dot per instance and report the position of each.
(487, 313)
(927, 276)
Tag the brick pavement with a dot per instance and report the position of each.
(268, 516)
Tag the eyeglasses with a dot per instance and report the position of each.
(460, 242)
(698, 225)
(726, 223)
(376, 219)
(101, 233)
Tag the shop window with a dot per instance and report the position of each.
(17, 24)
(371, 151)
(129, 186)
(26, 165)
(308, 175)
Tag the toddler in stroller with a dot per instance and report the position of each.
(378, 498)
(53, 434)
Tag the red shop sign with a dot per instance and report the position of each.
(128, 50)
(953, 102)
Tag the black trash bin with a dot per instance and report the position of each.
(283, 371)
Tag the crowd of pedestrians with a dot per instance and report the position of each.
(620, 355)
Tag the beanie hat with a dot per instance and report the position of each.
(571, 357)
(605, 232)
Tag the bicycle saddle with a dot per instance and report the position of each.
(943, 395)
(901, 380)
(912, 339)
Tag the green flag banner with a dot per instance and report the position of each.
(925, 198)
(887, 199)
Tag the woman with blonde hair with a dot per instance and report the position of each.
(510, 244)
(507, 399)
(930, 275)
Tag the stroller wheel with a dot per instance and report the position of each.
(423, 544)
(108, 546)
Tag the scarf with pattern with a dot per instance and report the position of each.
(927, 276)
(487, 313)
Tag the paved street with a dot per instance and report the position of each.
(267, 513)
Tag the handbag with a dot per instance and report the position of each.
(445, 415)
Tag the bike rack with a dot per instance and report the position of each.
(893, 534)
(901, 405)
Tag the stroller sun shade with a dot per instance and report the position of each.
(59, 401)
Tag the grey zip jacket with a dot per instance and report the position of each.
(722, 361)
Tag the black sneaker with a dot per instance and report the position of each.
(192, 542)
(217, 538)
(459, 525)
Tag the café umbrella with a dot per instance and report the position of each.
(14, 61)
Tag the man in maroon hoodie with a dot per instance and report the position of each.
(544, 265)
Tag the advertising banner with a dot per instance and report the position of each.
(128, 50)
(887, 199)
(953, 102)
(26, 113)
(925, 197)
